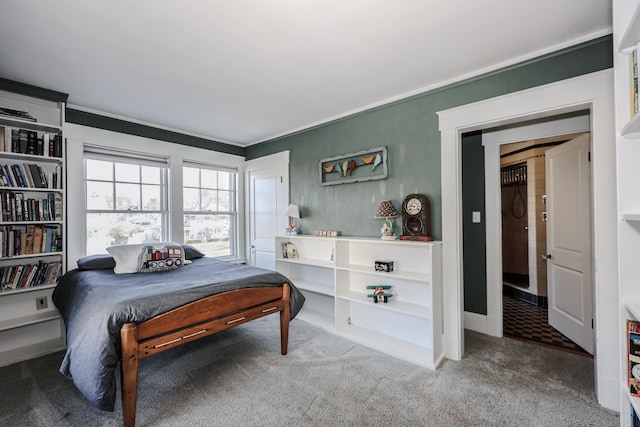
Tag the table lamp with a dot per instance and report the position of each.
(386, 210)
(292, 212)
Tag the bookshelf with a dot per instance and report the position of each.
(333, 273)
(32, 223)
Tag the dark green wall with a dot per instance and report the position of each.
(30, 90)
(123, 126)
(474, 235)
(409, 130)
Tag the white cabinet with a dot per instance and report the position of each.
(32, 225)
(334, 273)
(313, 273)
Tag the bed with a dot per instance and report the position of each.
(116, 319)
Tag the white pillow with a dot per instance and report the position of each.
(147, 258)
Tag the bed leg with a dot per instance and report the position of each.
(129, 371)
(285, 316)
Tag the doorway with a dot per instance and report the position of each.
(593, 92)
(266, 197)
(523, 193)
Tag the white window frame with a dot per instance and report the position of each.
(78, 136)
(134, 158)
(233, 212)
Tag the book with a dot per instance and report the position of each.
(15, 140)
(633, 355)
(57, 207)
(48, 239)
(29, 235)
(7, 140)
(292, 250)
(23, 140)
(37, 240)
(18, 114)
(33, 175)
(32, 142)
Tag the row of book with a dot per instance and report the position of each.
(26, 141)
(633, 357)
(29, 239)
(16, 207)
(633, 73)
(29, 175)
(29, 275)
(16, 114)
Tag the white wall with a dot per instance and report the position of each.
(77, 136)
(593, 92)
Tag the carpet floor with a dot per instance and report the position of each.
(238, 378)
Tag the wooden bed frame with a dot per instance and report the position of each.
(194, 321)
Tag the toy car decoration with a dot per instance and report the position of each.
(379, 293)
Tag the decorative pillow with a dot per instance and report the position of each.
(96, 262)
(191, 253)
(147, 258)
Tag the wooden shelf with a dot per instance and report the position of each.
(29, 289)
(630, 216)
(308, 261)
(404, 350)
(632, 128)
(29, 125)
(20, 322)
(631, 35)
(392, 305)
(31, 351)
(408, 326)
(315, 318)
(398, 274)
(319, 288)
(25, 331)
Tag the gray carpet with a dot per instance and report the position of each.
(239, 378)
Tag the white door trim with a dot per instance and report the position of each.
(593, 92)
(279, 160)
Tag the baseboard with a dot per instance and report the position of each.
(608, 392)
(488, 325)
(540, 301)
(475, 322)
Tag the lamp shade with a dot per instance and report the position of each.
(292, 211)
(386, 210)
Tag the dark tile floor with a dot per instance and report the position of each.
(526, 321)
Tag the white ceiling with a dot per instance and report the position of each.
(245, 71)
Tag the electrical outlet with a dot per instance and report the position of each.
(41, 303)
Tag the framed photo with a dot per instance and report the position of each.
(364, 165)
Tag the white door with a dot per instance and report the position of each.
(569, 270)
(267, 189)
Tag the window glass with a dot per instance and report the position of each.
(210, 215)
(126, 201)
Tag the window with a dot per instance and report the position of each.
(210, 214)
(126, 199)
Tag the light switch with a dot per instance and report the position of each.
(476, 217)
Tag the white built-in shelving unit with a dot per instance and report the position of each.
(30, 325)
(334, 272)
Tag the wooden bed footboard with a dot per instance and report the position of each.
(194, 321)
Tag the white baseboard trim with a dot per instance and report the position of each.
(488, 325)
(608, 393)
(475, 322)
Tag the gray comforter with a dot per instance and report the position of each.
(96, 303)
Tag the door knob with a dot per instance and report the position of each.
(546, 256)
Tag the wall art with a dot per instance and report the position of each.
(364, 165)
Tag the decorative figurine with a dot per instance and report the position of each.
(379, 293)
